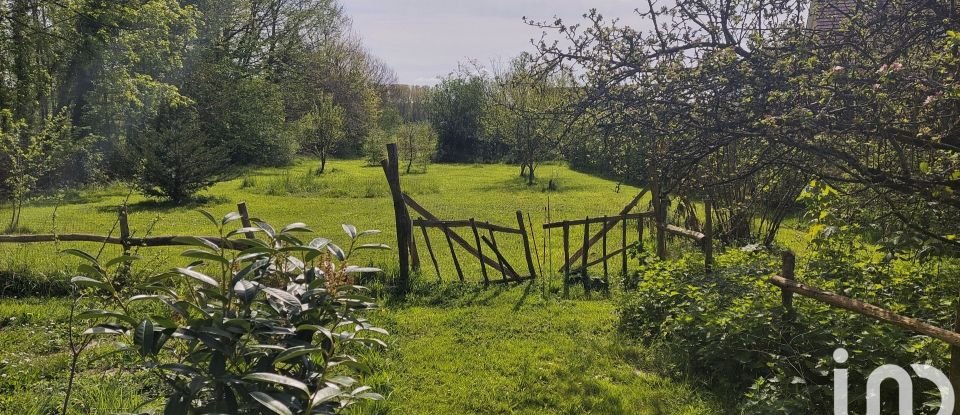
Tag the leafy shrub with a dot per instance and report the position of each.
(176, 159)
(265, 329)
(729, 329)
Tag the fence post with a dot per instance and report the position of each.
(788, 271)
(391, 168)
(955, 361)
(245, 218)
(414, 253)
(585, 256)
(661, 214)
(708, 235)
(606, 274)
(623, 246)
(483, 265)
(124, 230)
(566, 259)
(526, 244)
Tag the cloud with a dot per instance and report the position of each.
(424, 39)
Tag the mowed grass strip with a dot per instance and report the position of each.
(507, 350)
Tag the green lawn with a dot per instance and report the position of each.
(508, 350)
(351, 193)
(454, 348)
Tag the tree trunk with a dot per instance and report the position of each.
(531, 177)
(323, 163)
(409, 164)
(523, 169)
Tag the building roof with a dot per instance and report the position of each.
(830, 15)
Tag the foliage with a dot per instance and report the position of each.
(456, 110)
(523, 113)
(417, 144)
(176, 159)
(321, 130)
(374, 146)
(27, 156)
(729, 328)
(269, 327)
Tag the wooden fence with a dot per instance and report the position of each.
(789, 286)
(609, 223)
(127, 241)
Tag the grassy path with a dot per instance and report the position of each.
(510, 351)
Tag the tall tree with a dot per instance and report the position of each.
(526, 113)
(321, 130)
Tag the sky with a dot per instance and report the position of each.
(423, 40)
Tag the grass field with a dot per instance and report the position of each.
(455, 348)
(351, 193)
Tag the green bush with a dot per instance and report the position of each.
(729, 329)
(176, 159)
(268, 329)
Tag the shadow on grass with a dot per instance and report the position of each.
(166, 205)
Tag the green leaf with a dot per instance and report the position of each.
(102, 331)
(143, 337)
(276, 379)
(204, 255)
(295, 352)
(373, 246)
(95, 314)
(198, 276)
(82, 255)
(369, 232)
(337, 252)
(319, 243)
(243, 231)
(194, 241)
(230, 217)
(88, 282)
(325, 395)
(271, 403)
(295, 227)
(283, 296)
(267, 228)
(210, 217)
(350, 230)
(353, 269)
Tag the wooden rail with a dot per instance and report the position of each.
(464, 224)
(686, 233)
(592, 221)
(153, 241)
(866, 309)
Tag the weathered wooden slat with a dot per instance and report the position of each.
(566, 260)
(476, 237)
(506, 265)
(599, 260)
(611, 221)
(526, 244)
(626, 210)
(623, 247)
(586, 254)
(868, 310)
(153, 241)
(686, 233)
(453, 253)
(245, 219)
(391, 169)
(464, 224)
(453, 235)
(433, 258)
